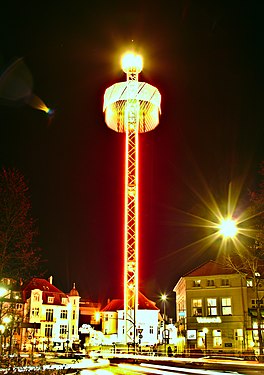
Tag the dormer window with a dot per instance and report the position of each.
(249, 283)
(64, 301)
(50, 299)
(196, 283)
(210, 282)
(225, 282)
(36, 297)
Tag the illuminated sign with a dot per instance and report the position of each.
(191, 334)
(207, 319)
(182, 314)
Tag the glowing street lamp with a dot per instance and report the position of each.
(164, 299)
(228, 228)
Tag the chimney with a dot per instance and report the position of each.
(50, 279)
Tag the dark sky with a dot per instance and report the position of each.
(207, 60)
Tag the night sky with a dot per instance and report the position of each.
(207, 60)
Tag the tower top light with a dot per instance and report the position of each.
(131, 62)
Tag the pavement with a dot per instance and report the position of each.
(69, 363)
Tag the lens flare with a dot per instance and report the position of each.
(223, 225)
(228, 228)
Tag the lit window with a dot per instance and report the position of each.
(217, 338)
(249, 283)
(226, 306)
(197, 307)
(50, 299)
(211, 306)
(210, 283)
(196, 283)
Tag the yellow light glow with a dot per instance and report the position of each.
(228, 228)
(164, 297)
(97, 316)
(6, 319)
(131, 62)
(3, 291)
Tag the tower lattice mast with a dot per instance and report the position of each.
(131, 107)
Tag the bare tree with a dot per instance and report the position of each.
(248, 260)
(19, 255)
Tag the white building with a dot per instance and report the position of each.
(113, 324)
(51, 317)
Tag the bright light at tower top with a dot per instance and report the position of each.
(228, 228)
(131, 62)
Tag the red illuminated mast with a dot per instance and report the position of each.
(131, 107)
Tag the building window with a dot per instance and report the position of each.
(239, 334)
(106, 318)
(217, 338)
(196, 283)
(226, 306)
(211, 306)
(36, 297)
(197, 307)
(49, 315)
(64, 301)
(200, 339)
(73, 314)
(151, 330)
(48, 330)
(64, 314)
(73, 330)
(63, 329)
(35, 311)
(249, 283)
(210, 283)
(50, 299)
(225, 282)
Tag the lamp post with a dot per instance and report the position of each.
(205, 331)
(164, 299)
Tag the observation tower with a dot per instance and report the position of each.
(131, 107)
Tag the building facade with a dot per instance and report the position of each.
(146, 331)
(51, 317)
(213, 306)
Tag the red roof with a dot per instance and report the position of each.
(209, 269)
(143, 304)
(48, 289)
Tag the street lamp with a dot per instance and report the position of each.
(228, 228)
(205, 331)
(164, 299)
